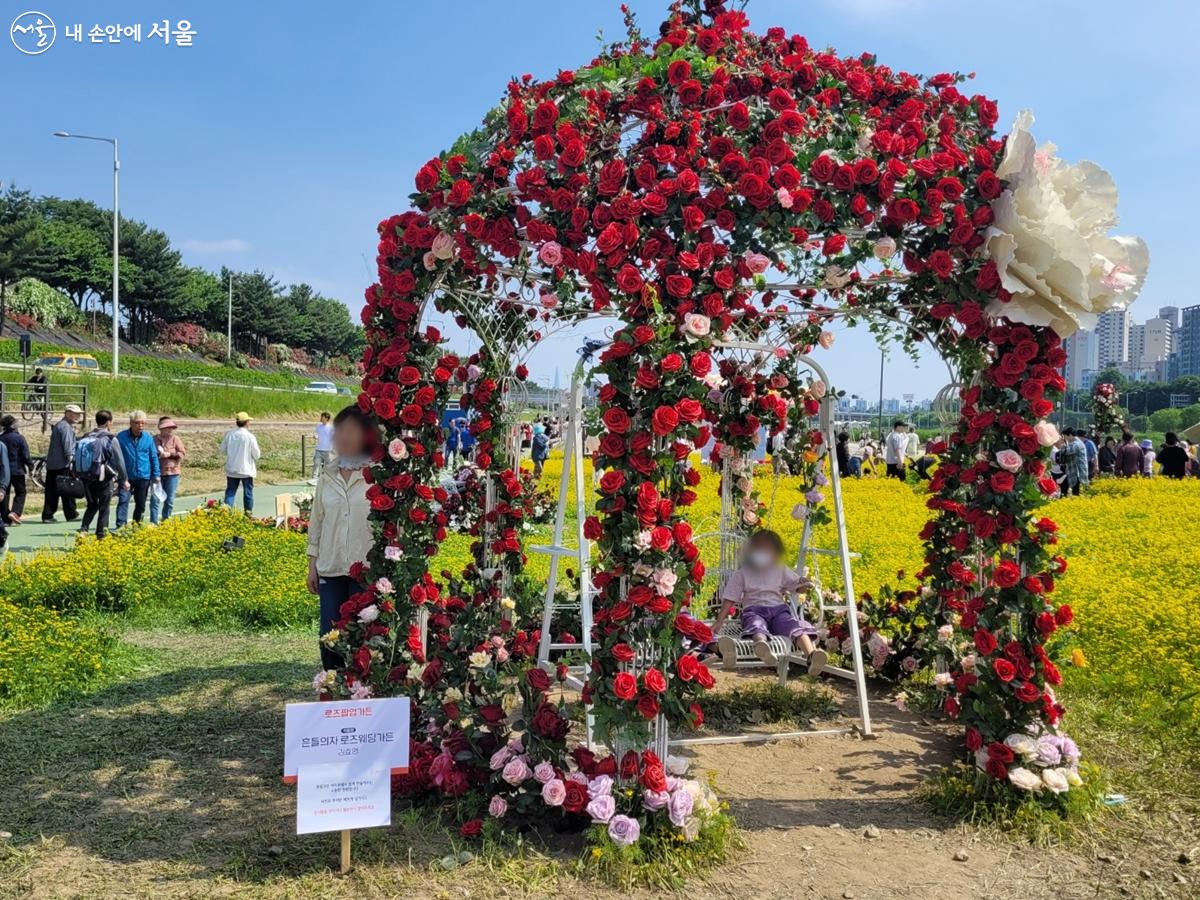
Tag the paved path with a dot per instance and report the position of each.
(34, 535)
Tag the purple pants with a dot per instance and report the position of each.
(777, 620)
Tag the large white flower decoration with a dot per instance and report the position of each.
(1050, 240)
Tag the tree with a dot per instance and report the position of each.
(151, 290)
(1165, 420)
(77, 248)
(20, 239)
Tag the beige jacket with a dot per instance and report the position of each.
(338, 532)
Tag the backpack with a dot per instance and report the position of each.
(92, 453)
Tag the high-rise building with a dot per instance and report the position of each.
(1188, 352)
(1112, 338)
(1170, 314)
(1149, 343)
(1081, 357)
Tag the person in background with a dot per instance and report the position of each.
(1148, 456)
(106, 474)
(466, 441)
(141, 466)
(1092, 455)
(1172, 457)
(58, 462)
(926, 462)
(5, 476)
(323, 446)
(170, 458)
(1072, 457)
(240, 448)
(339, 533)
(895, 448)
(846, 463)
(453, 442)
(1129, 457)
(539, 451)
(20, 463)
(526, 435)
(1108, 457)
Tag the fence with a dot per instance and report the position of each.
(40, 402)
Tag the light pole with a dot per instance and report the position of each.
(229, 323)
(116, 281)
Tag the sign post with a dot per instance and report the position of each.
(341, 757)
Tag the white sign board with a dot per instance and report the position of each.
(370, 732)
(338, 796)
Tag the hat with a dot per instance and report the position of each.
(167, 422)
(242, 418)
(72, 408)
(1147, 443)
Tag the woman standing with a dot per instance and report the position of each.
(1108, 457)
(170, 460)
(19, 463)
(338, 532)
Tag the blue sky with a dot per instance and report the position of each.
(288, 130)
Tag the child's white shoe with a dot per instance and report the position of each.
(763, 651)
(816, 662)
(728, 649)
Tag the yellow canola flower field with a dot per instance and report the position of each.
(44, 655)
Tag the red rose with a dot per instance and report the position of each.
(686, 667)
(612, 481)
(654, 681)
(822, 168)
(615, 420)
(629, 279)
(577, 797)
(697, 712)
(1002, 482)
(624, 686)
(974, 740)
(1064, 615)
(672, 362)
(660, 538)
(471, 828)
(1004, 670)
(700, 364)
(679, 285)
(647, 706)
(622, 652)
(592, 529)
(1027, 692)
(538, 679)
(985, 642)
(664, 420)
(1045, 624)
(988, 185)
(689, 410)
(1007, 573)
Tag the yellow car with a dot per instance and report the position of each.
(83, 361)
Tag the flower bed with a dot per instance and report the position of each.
(45, 655)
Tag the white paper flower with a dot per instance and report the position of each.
(1049, 239)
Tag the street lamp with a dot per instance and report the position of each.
(116, 284)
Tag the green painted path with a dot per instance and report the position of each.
(33, 534)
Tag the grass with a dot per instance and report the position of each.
(767, 702)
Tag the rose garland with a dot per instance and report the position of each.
(1106, 409)
(660, 183)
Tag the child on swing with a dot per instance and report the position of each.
(760, 588)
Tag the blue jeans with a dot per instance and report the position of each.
(170, 484)
(333, 591)
(231, 486)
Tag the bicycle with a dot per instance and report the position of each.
(37, 472)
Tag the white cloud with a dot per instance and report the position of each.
(221, 245)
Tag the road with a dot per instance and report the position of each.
(33, 535)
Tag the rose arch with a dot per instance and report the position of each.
(704, 186)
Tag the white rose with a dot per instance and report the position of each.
(885, 248)
(1056, 780)
(696, 325)
(1024, 779)
(1022, 745)
(1049, 239)
(479, 659)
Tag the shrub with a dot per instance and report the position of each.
(45, 656)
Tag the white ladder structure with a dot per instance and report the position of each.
(579, 555)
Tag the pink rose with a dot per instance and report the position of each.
(543, 772)
(497, 807)
(885, 248)
(515, 771)
(785, 198)
(756, 262)
(550, 253)
(397, 449)
(696, 325)
(1047, 434)
(554, 792)
(825, 339)
(1009, 460)
(443, 245)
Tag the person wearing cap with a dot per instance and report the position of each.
(170, 458)
(141, 463)
(19, 464)
(240, 447)
(895, 449)
(59, 459)
(1148, 457)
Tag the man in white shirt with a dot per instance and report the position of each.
(324, 447)
(241, 451)
(894, 449)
